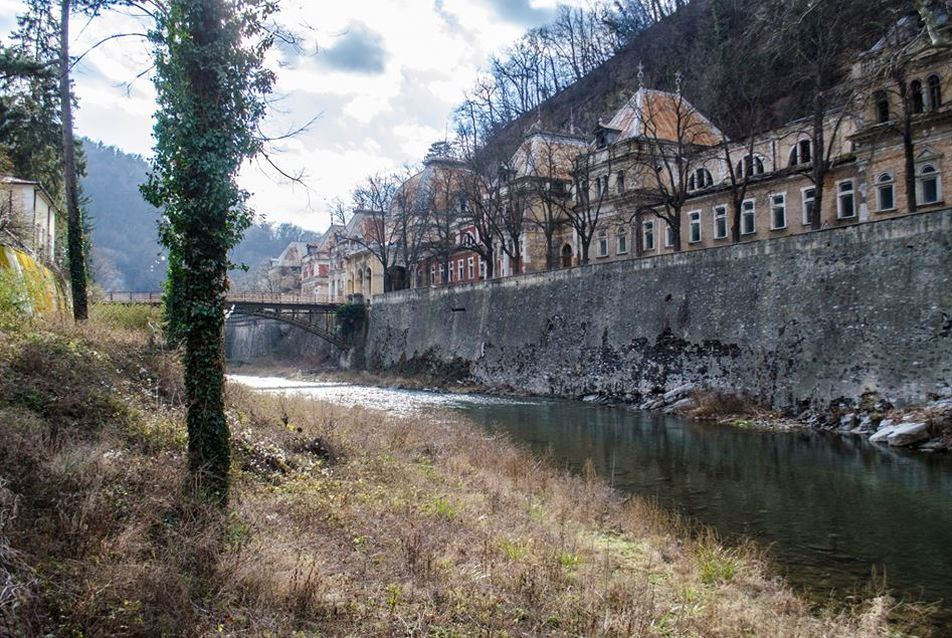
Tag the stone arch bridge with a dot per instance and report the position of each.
(318, 318)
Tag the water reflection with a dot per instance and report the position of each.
(829, 508)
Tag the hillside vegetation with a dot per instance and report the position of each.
(126, 252)
(342, 521)
(734, 56)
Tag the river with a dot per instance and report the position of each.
(830, 509)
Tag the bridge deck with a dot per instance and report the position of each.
(244, 299)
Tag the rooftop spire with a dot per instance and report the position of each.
(641, 76)
(678, 80)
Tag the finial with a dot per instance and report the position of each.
(641, 75)
(678, 79)
(572, 120)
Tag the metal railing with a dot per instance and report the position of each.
(286, 299)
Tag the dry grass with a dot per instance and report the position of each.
(343, 522)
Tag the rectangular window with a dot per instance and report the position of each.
(668, 235)
(459, 270)
(929, 189)
(482, 269)
(443, 270)
(471, 268)
(778, 211)
(720, 222)
(694, 218)
(808, 197)
(620, 182)
(748, 211)
(622, 243)
(845, 200)
(602, 246)
(885, 193)
(647, 233)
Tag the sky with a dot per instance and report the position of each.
(381, 77)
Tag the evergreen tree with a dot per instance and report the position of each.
(211, 86)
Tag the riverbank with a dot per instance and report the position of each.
(342, 522)
(925, 428)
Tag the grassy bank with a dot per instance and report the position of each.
(343, 522)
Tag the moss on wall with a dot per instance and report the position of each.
(42, 289)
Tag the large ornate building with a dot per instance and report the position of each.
(658, 177)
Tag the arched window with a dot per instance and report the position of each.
(930, 185)
(700, 179)
(801, 153)
(915, 96)
(935, 92)
(567, 256)
(882, 106)
(885, 192)
(750, 166)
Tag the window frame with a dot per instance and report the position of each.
(934, 91)
(722, 215)
(753, 216)
(668, 235)
(620, 182)
(804, 217)
(694, 221)
(885, 184)
(796, 152)
(934, 174)
(602, 244)
(622, 235)
(471, 267)
(755, 159)
(647, 230)
(883, 110)
(916, 97)
(772, 205)
(839, 198)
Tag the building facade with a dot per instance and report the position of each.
(28, 217)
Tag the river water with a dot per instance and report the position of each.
(830, 509)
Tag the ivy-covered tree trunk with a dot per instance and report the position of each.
(75, 244)
(210, 84)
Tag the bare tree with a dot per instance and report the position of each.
(410, 216)
(808, 40)
(547, 178)
(484, 198)
(376, 231)
(584, 215)
(677, 140)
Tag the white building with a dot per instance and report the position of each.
(27, 216)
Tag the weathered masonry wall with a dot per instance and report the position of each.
(806, 318)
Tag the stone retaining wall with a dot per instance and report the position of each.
(799, 320)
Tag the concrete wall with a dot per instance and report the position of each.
(806, 318)
(266, 342)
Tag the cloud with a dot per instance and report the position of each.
(359, 50)
(521, 12)
(383, 77)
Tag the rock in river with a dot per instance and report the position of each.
(908, 433)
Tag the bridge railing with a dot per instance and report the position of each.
(132, 297)
(288, 299)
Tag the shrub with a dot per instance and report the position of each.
(15, 306)
(350, 318)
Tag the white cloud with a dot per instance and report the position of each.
(412, 60)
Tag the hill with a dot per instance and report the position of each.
(704, 40)
(126, 254)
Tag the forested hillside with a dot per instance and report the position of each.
(125, 250)
(747, 64)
